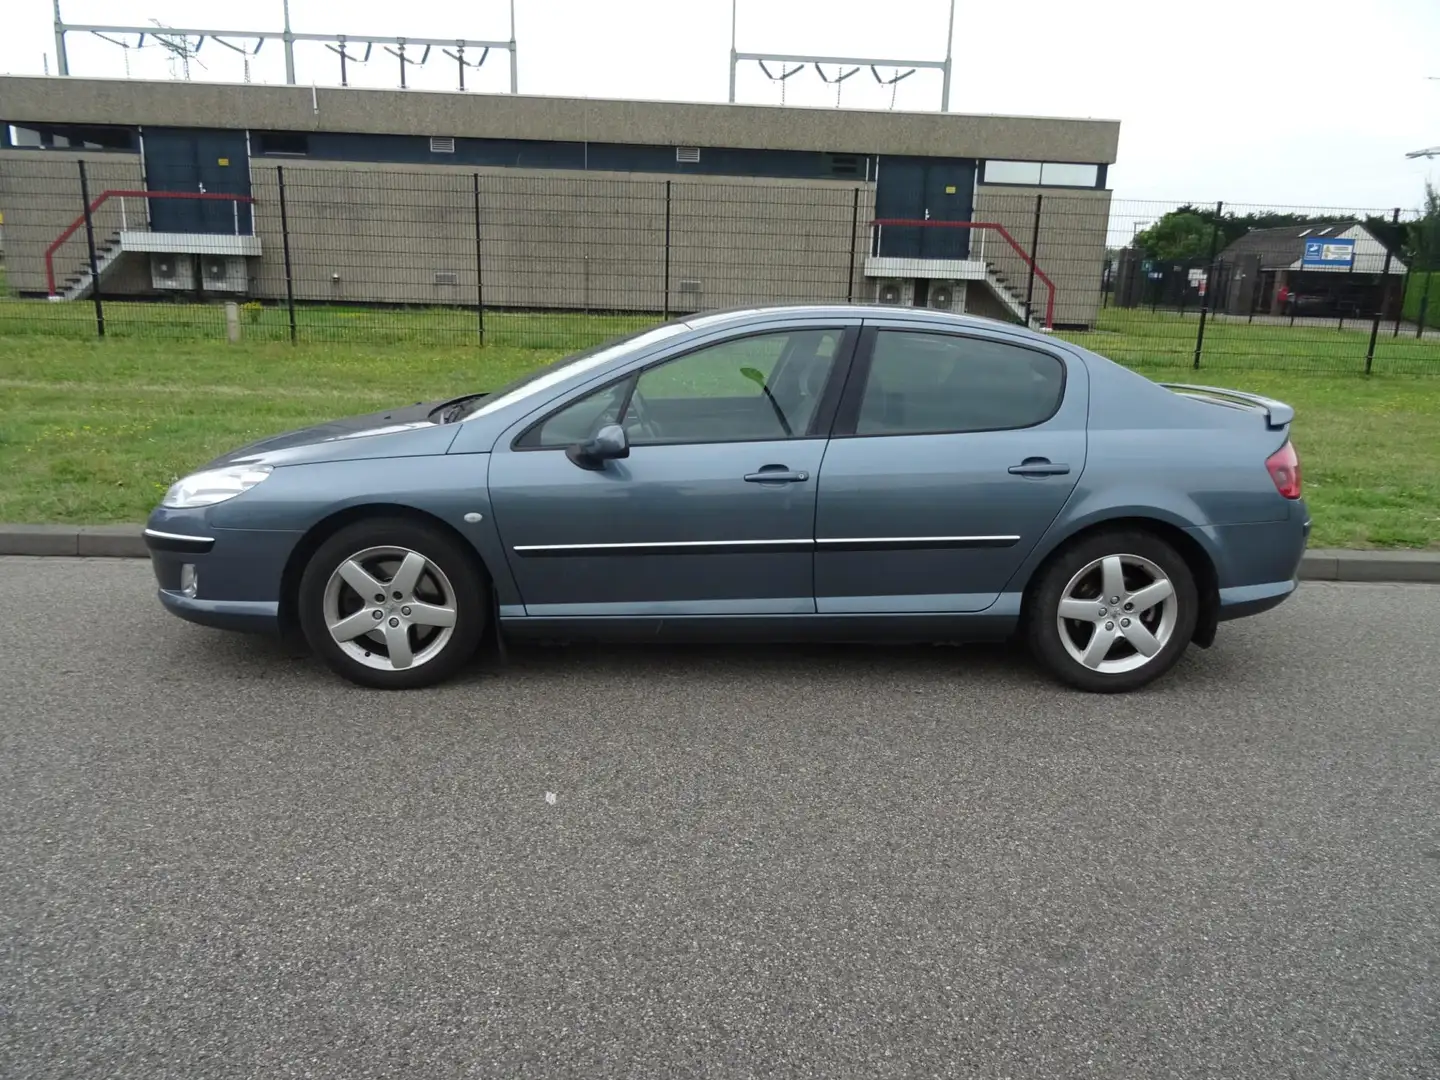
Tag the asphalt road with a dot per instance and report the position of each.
(218, 861)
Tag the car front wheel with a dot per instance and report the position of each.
(393, 604)
(1113, 612)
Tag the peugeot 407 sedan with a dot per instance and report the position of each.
(784, 473)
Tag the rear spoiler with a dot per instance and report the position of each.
(1277, 413)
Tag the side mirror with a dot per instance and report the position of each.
(609, 443)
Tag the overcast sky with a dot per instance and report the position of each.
(1307, 103)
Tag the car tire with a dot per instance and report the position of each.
(1135, 644)
(393, 603)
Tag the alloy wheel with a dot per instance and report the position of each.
(390, 608)
(1117, 614)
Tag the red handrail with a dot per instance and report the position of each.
(1050, 285)
(118, 193)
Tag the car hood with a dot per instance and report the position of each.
(403, 432)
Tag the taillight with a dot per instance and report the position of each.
(1284, 466)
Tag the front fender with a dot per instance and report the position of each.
(451, 487)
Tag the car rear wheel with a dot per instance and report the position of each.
(393, 604)
(1113, 612)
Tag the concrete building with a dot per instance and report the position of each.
(426, 198)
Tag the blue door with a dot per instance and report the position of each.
(924, 189)
(952, 454)
(713, 510)
(183, 161)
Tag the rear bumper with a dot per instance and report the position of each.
(1257, 566)
(1242, 600)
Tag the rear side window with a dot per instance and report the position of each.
(923, 382)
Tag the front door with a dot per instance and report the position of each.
(952, 455)
(712, 512)
(193, 161)
(924, 189)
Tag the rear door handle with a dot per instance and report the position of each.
(776, 474)
(1039, 466)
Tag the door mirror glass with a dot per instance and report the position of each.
(609, 443)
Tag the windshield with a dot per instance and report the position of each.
(566, 366)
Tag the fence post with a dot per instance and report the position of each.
(90, 244)
(1034, 247)
(854, 231)
(666, 270)
(285, 246)
(479, 274)
(1424, 304)
(1209, 280)
(1380, 304)
(1400, 308)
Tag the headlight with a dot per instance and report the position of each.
(214, 486)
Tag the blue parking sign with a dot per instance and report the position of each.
(1333, 254)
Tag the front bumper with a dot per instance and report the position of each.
(238, 572)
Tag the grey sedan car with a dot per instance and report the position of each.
(785, 473)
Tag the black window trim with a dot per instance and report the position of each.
(821, 424)
(848, 415)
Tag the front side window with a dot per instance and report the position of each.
(762, 387)
(923, 383)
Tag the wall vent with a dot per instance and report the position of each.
(442, 144)
(446, 277)
(689, 285)
(688, 155)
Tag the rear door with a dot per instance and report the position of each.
(951, 456)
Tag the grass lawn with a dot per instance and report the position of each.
(93, 431)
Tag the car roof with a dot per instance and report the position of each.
(740, 316)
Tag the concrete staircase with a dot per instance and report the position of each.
(1013, 296)
(77, 285)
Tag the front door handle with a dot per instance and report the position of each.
(776, 474)
(1039, 466)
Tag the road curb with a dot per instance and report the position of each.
(126, 542)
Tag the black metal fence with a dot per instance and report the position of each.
(553, 261)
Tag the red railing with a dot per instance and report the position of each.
(1024, 256)
(117, 193)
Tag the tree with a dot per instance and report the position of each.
(1179, 235)
(1423, 239)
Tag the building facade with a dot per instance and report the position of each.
(408, 197)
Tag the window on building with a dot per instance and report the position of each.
(289, 143)
(1060, 174)
(1042, 174)
(923, 383)
(1012, 172)
(69, 137)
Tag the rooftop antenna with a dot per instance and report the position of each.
(840, 76)
(872, 62)
(176, 40)
(346, 59)
(893, 82)
(177, 44)
(459, 57)
(244, 50)
(781, 77)
(399, 51)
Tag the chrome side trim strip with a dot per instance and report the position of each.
(158, 535)
(917, 539)
(653, 544)
(698, 547)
